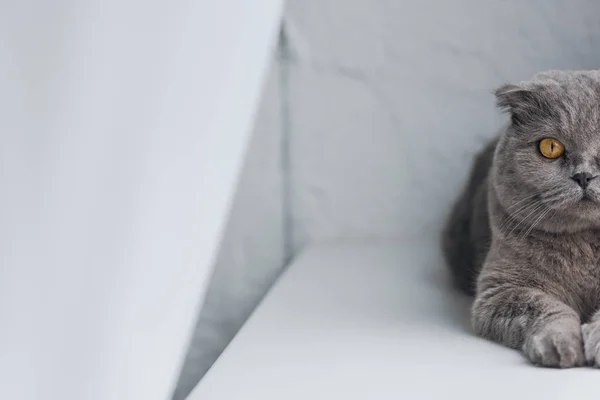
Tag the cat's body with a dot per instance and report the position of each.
(468, 236)
(525, 234)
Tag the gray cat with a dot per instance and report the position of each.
(524, 237)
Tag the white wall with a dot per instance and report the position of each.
(390, 98)
(387, 101)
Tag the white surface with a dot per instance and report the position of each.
(122, 129)
(389, 99)
(375, 320)
(251, 253)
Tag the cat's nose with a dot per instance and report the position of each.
(583, 179)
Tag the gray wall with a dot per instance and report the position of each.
(381, 105)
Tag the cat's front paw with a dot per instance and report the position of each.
(557, 345)
(591, 343)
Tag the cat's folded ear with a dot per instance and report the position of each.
(525, 105)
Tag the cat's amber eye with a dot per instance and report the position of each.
(551, 148)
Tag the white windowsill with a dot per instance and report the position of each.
(375, 320)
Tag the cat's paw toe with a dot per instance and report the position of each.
(591, 343)
(555, 348)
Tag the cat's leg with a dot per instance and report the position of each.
(547, 330)
(591, 340)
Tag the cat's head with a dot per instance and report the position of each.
(547, 164)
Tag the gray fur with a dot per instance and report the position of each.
(524, 237)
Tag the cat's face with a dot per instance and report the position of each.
(547, 165)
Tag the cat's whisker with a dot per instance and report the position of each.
(537, 221)
(511, 222)
(558, 200)
(508, 215)
(511, 218)
(535, 209)
(521, 201)
(548, 196)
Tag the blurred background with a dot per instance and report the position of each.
(370, 116)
